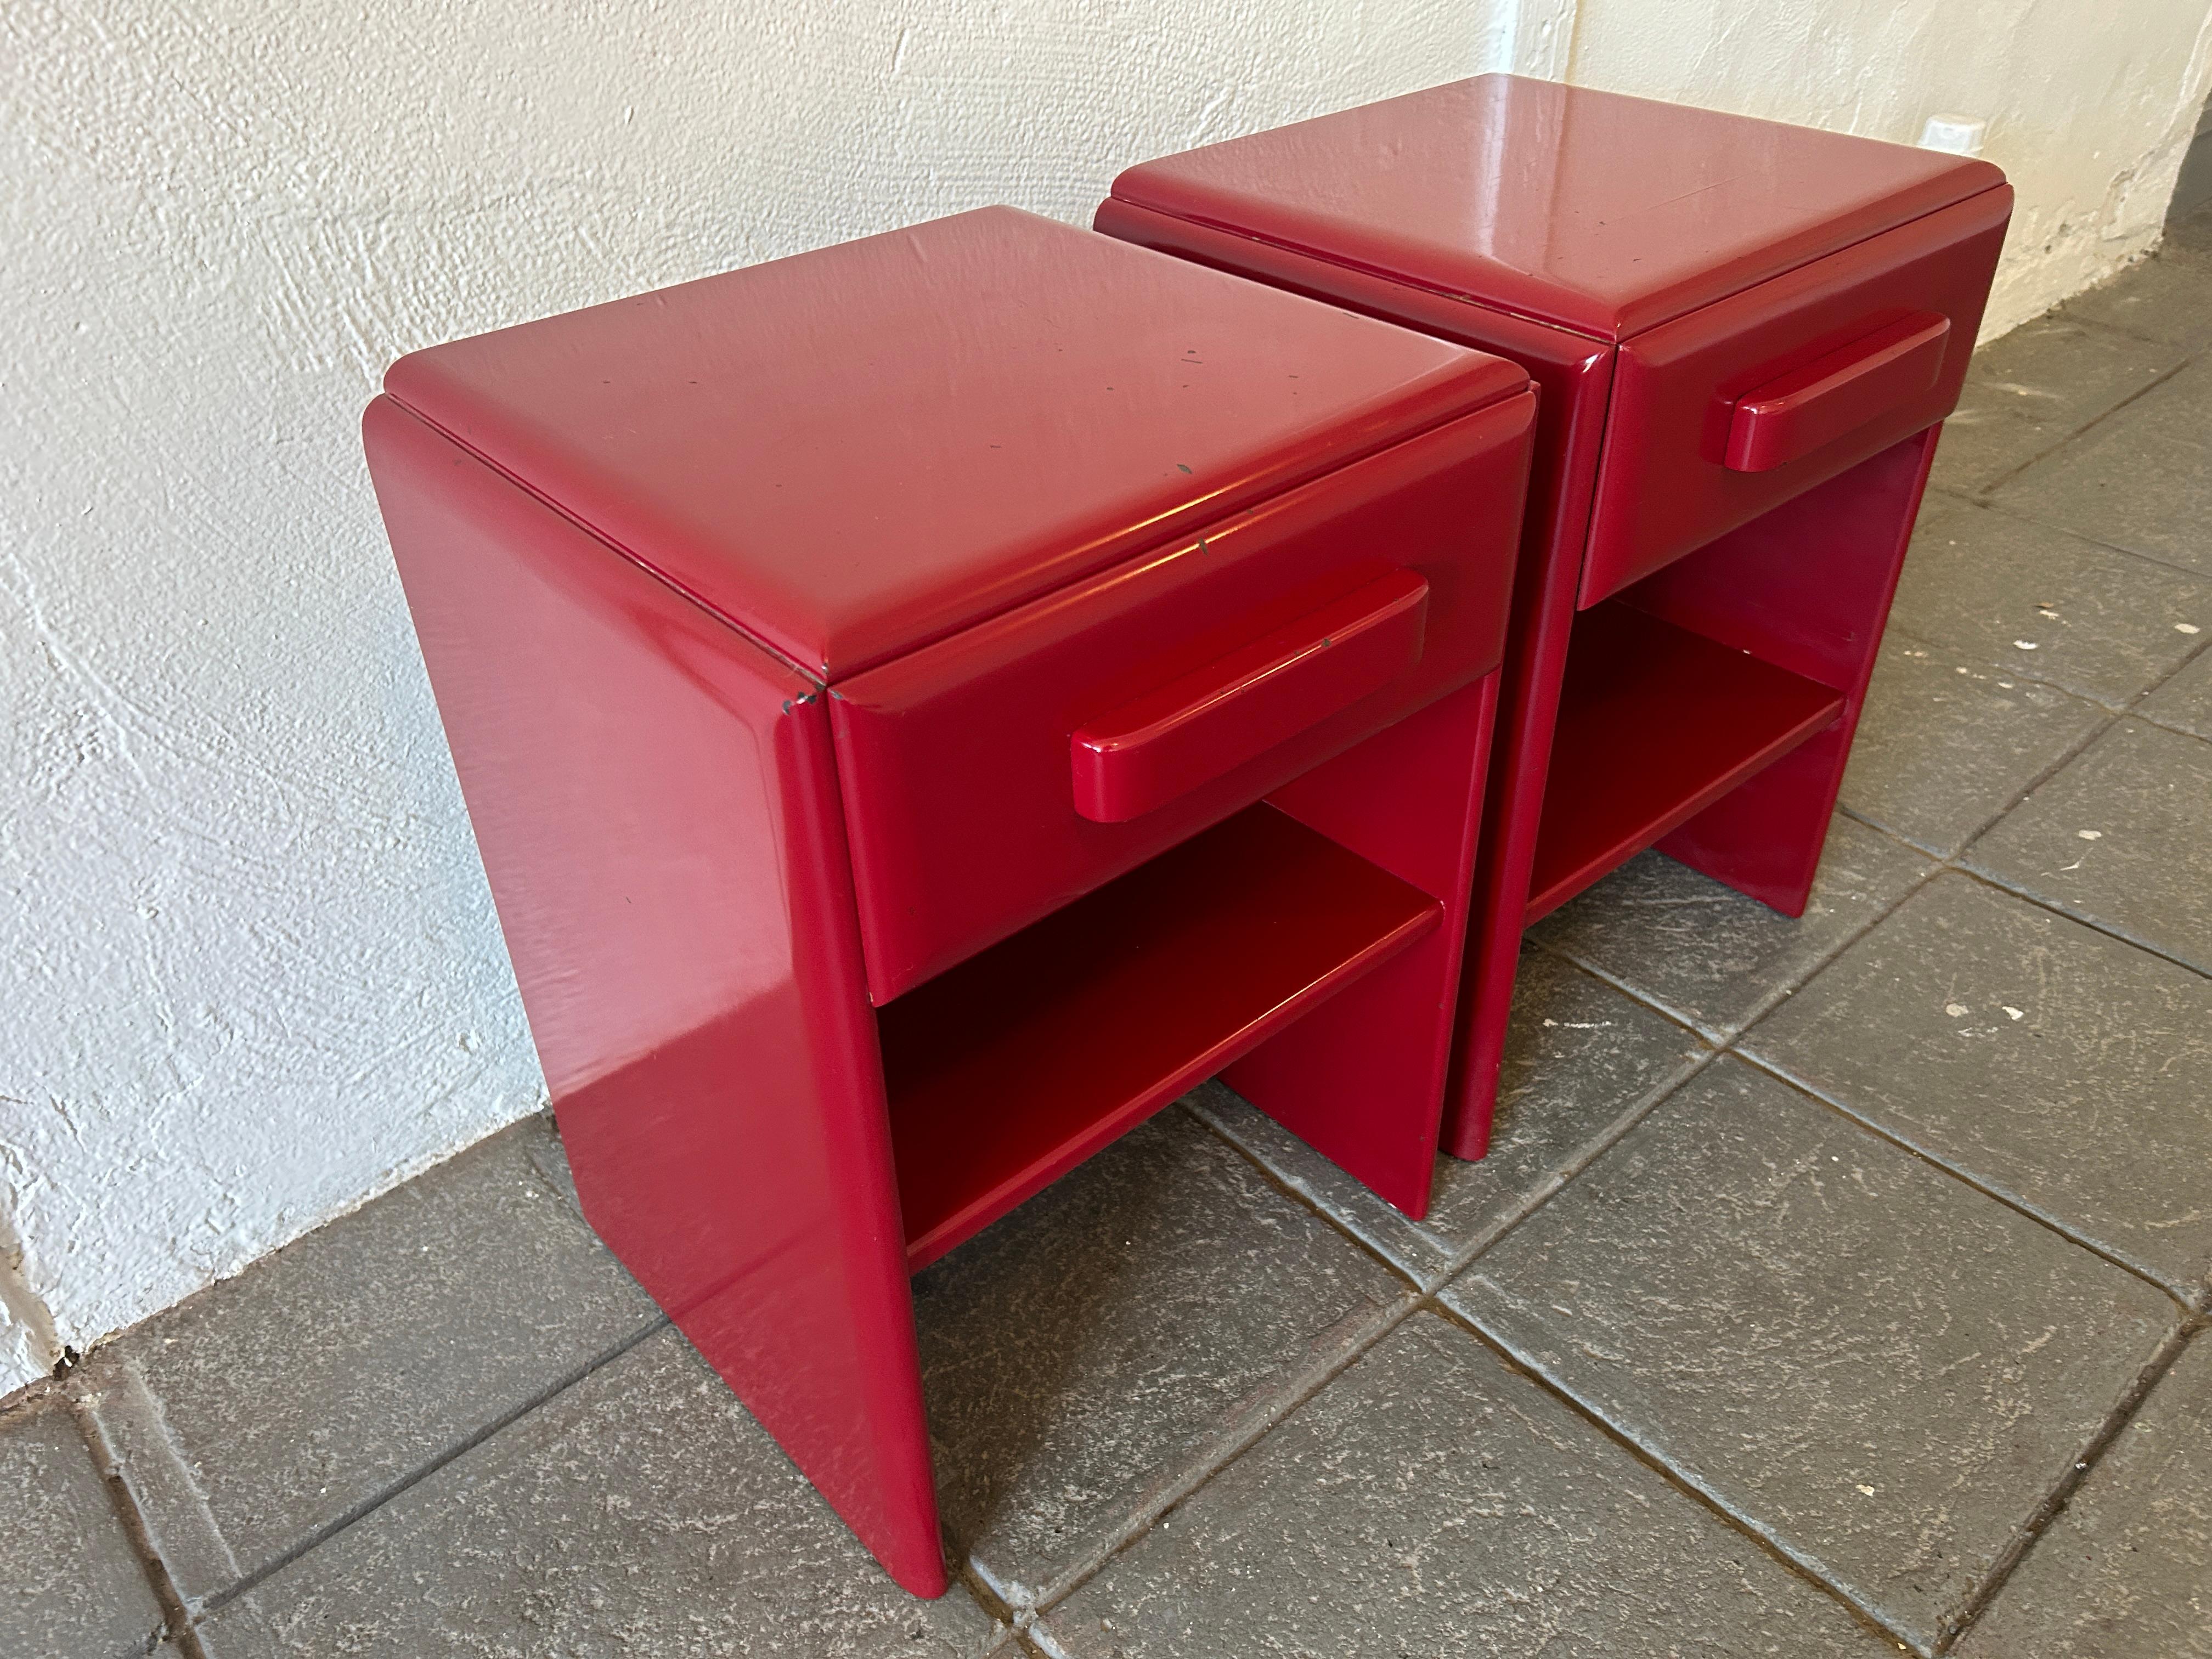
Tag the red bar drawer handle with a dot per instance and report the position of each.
(1796, 413)
(1192, 730)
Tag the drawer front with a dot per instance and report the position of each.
(1721, 415)
(990, 778)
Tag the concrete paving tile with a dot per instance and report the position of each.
(72, 1585)
(2168, 299)
(2142, 480)
(1947, 742)
(641, 1512)
(265, 1410)
(1094, 1353)
(1431, 1501)
(1581, 1060)
(1880, 1369)
(2047, 605)
(2118, 837)
(2029, 392)
(2045, 1061)
(1710, 956)
(2125, 1572)
(2178, 407)
(2184, 703)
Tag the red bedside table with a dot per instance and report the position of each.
(1745, 334)
(924, 705)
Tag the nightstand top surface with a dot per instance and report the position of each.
(1603, 214)
(852, 453)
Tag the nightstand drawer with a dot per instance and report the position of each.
(991, 777)
(1719, 416)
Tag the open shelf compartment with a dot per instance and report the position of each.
(1656, 724)
(1014, 1067)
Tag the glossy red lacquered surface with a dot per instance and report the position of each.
(655, 799)
(1655, 723)
(957, 777)
(1144, 754)
(1362, 1077)
(1743, 334)
(1667, 486)
(1806, 586)
(1787, 418)
(856, 451)
(1600, 213)
(736, 898)
(1023, 1061)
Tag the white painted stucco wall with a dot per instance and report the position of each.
(2090, 103)
(251, 976)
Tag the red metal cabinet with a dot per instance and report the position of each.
(925, 704)
(1745, 335)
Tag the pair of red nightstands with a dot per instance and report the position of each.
(925, 704)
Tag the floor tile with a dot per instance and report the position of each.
(2047, 605)
(2031, 390)
(2119, 837)
(2125, 1572)
(641, 1512)
(1880, 1368)
(2142, 480)
(1090, 1355)
(1949, 742)
(71, 1586)
(1711, 956)
(2047, 1061)
(2179, 405)
(1580, 1059)
(267, 1408)
(1432, 1502)
(2165, 299)
(2184, 701)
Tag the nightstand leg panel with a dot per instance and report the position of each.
(655, 799)
(1361, 1077)
(1807, 587)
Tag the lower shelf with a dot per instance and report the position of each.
(1014, 1067)
(1656, 724)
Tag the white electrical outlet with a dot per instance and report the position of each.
(1961, 135)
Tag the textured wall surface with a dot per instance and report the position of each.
(253, 974)
(2090, 104)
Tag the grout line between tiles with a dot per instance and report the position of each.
(1955, 861)
(1268, 1174)
(2150, 718)
(1420, 1298)
(369, 1505)
(2007, 510)
(972, 1578)
(1725, 1040)
(1224, 1452)
(1674, 1478)
(1990, 878)
(176, 1619)
(113, 1395)
(1790, 1080)
(2189, 1318)
(1599, 1144)
(2030, 1531)
(2088, 426)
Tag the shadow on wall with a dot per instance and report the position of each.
(2193, 188)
